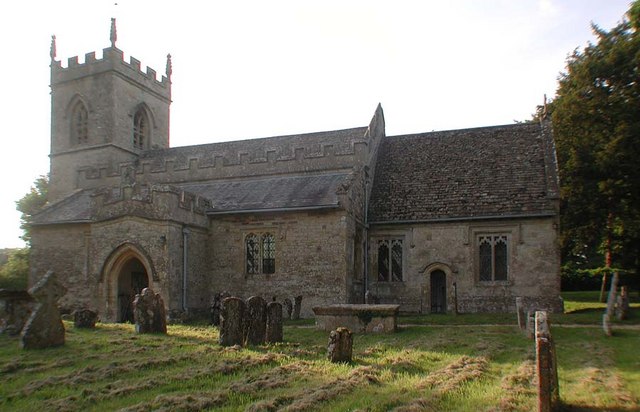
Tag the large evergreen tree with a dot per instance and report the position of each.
(596, 119)
(31, 203)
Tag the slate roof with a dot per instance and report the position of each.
(75, 208)
(268, 193)
(459, 174)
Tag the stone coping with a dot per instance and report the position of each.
(351, 309)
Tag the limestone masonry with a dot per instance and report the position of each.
(441, 222)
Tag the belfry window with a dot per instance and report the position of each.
(260, 253)
(79, 124)
(140, 130)
(390, 260)
(493, 262)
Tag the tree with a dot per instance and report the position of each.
(596, 120)
(31, 203)
(14, 273)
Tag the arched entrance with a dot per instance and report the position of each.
(126, 271)
(438, 288)
(131, 280)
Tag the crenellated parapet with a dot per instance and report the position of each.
(327, 151)
(112, 61)
(159, 202)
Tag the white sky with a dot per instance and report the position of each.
(244, 69)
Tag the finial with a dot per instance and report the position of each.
(169, 69)
(544, 108)
(52, 51)
(114, 34)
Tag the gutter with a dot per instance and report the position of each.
(279, 209)
(185, 254)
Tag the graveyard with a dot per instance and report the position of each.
(439, 362)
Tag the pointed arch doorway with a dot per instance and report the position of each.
(126, 271)
(131, 280)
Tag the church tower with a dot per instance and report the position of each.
(103, 112)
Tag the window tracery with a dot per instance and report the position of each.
(140, 129)
(493, 257)
(79, 124)
(390, 260)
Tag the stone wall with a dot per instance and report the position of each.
(310, 257)
(534, 265)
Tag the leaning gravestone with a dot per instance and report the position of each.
(149, 312)
(297, 304)
(288, 307)
(546, 365)
(274, 322)
(85, 318)
(255, 320)
(340, 346)
(44, 327)
(232, 322)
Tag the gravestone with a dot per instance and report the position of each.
(274, 323)
(216, 307)
(15, 308)
(546, 365)
(255, 319)
(44, 327)
(622, 304)
(297, 304)
(531, 324)
(340, 346)
(232, 322)
(85, 318)
(288, 307)
(149, 313)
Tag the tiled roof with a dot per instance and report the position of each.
(472, 173)
(279, 192)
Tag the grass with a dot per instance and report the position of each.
(421, 367)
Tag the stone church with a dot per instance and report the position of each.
(460, 220)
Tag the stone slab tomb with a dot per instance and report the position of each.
(358, 318)
(44, 327)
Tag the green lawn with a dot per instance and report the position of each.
(463, 367)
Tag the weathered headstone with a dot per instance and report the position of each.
(15, 309)
(85, 318)
(546, 366)
(340, 348)
(216, 307)
(232, 322)
(622, 304)
(44, 327)
(274, 322)
(288, 307)
(255, 320)
(531, 324)
(297, 304)
(149, 312)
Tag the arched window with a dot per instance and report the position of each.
(140, 129)
(79, 124)
(260, 253)
(390, 260)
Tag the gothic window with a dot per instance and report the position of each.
(493, 262)
(260, 253)
(140, 129)
(268, 253)
(390, 260)
(79, 124)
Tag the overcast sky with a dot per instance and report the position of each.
(245, 69)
